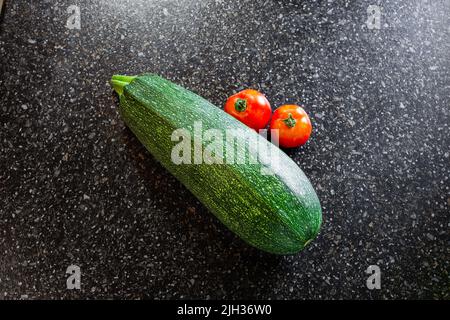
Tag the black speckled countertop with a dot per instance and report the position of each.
(77, 188)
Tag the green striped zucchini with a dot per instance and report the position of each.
(278, 212)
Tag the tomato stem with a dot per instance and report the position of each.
(290, 121)
(240, 105)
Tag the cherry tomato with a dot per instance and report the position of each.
(293, 124)
(250, 107)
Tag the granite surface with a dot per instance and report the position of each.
(77, 188)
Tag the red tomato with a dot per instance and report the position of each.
(293, 124)
(250, 107)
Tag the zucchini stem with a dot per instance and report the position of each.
(119, 82)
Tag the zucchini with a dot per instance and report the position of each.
(277, 212)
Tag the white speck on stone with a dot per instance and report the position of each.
(24, 107)
(31, 41)
(351, 122)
